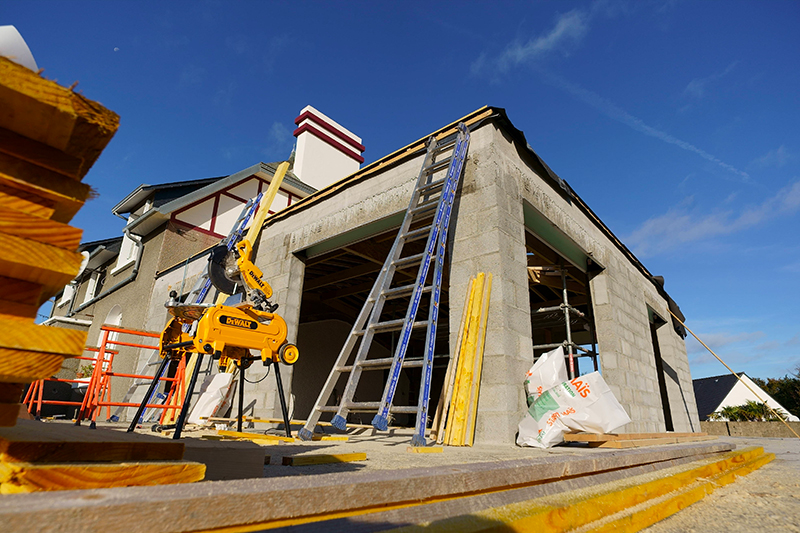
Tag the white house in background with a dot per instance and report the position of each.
(717, 392)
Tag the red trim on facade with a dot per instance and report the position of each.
(330, 128)
(229, 195)
(214, 213)
(195, 228)
(336, 144)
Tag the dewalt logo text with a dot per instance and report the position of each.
(238, 322)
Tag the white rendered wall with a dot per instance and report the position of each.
(739, 395)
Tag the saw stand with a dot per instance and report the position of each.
(242, 364)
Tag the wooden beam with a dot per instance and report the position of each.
(602, 437)
(24, 292)
(29, 351)
(28, 477)
(47, 113)
(36, 442)
(40, 154)
(322, 459)
(342, 275)
(48, 265)
(554, 282)
(39, 229)
(27, 202)
(65, 195)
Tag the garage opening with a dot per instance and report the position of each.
(561, 307)
(335, 288)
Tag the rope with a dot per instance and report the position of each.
(735, 374)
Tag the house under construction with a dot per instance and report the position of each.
(561, 277)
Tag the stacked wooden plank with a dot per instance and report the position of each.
(36, 456)
(454, 421)
(49, 138)
(634, 440)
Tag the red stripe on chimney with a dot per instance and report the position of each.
(330, 128)
(333, 142)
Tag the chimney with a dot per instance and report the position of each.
(326, 152)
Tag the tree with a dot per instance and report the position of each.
(747, 412)
(785, 390)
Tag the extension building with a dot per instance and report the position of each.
(513, 217)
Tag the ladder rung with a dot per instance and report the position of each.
(355, 407)
(409, 260)
(433, 186)
(377, 364)
(445, 146)
(417, 234)
(423, 208)
(405, 290)
(437, 166)
(395, 325)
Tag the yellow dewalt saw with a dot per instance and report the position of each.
(227, 331)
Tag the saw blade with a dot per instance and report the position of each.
(222, 269)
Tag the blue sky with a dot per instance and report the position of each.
(676, 121)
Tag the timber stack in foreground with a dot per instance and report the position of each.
(50, 137)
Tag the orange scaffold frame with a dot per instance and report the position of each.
(98, 392)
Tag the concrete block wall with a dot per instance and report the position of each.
(620, 297)
(488, 235)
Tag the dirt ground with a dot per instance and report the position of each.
(767, 500)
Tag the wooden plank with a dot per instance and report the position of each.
(48, 265)
(11, 392)
(38, 229)
(597, 437)
(31, 441)
(229, 459)
(424, 449)
(329, 438)
(28, 477)
(19, 291)
(9, 413)
(321, 459)
(639, 443)
(22, 366)
(475, 388)
(254, 436)
(54, 115)
(27, 202)
(18, 311)
(40, 154)
(33, 337)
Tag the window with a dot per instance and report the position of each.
(66, 296)
(126, 252)
(93, 287)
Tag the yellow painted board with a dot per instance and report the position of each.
(676, 501)
(320, 459)
(424, 449)
(29, 477)
(451, 416)
(475, 389)
(342, 438)
(466, 362)
(567, 511)
(254, 436)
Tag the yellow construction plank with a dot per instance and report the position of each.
(320, 459)
(36, 262)
(341, 438)
(39, 229)
(48, 113)
(424, 449)
(26, 201)
(601, 437)
(639, 443)
(567, 511)
(29, 477)
(254, 436)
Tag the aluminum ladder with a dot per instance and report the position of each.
(430, 196)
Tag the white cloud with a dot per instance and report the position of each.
(697, 87)
(775, 158)
(279, 142)
(613, 111)
(679, 226)
(568, 31)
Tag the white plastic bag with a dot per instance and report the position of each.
(582, 404)
(547, 372)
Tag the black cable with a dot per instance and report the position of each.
(260, 380)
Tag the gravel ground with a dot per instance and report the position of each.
(765, 500)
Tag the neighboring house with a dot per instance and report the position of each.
(716, 392)
(321, 255)
(170, 227)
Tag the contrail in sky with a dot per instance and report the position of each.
(613, 111)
